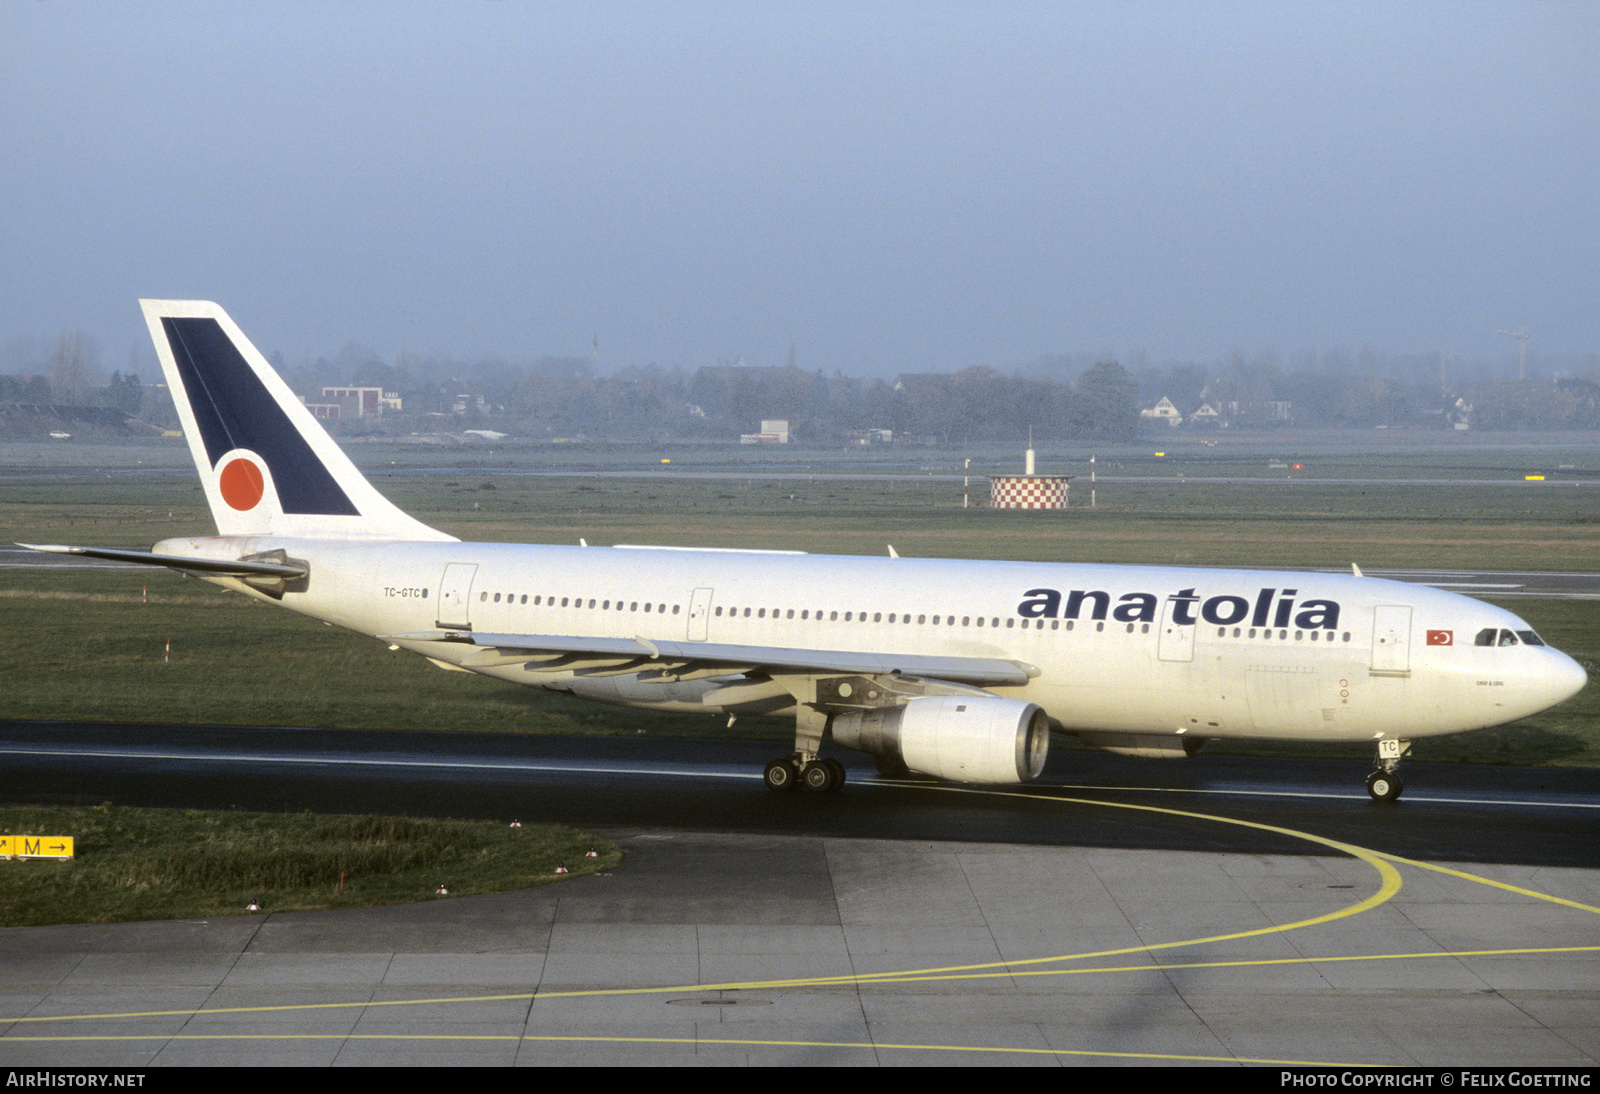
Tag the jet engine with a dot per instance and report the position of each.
(971, 739)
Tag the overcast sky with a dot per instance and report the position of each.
(889, 187)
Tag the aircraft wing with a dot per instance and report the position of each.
(222, 567)
(677, 657)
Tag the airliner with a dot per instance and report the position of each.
(953, 669)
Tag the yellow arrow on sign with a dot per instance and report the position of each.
(36, 847)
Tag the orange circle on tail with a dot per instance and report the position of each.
(241, 484)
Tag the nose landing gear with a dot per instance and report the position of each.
(1384, 783)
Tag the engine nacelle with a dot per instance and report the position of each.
(971, 739)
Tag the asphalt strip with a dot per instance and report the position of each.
(711, 773)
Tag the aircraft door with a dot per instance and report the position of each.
(699, 614)
(455, 593)
(1176, 642)
(1391, 638)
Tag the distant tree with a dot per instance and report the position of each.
(1106, 403)
(69, 367)
(124, 392)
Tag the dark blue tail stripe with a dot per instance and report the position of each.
(234, 410)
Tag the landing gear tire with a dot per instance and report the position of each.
(781, 774)
(818, 777)
(838, 772)
(1384, 786)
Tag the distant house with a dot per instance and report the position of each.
(1206, 415)
(1163, 411)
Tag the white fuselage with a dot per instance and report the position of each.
(1138, 650)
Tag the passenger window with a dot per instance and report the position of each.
(966, 621)
(980, 620)
(647, 607)
(675, 609)
(719, 611)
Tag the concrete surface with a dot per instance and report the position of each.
(688, 911)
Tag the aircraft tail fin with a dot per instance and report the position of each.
(267, 466)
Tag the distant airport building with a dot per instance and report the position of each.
(773, 431)
(353, 402)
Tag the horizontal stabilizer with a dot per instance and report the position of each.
(983, 671)
(220, 567)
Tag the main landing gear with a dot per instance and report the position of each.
(803, 768)
(816, 775)
(1384, 783)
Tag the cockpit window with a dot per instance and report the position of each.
(1507, 638)
(1530, 639)
(1485, 637)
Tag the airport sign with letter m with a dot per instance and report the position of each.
(36, 847)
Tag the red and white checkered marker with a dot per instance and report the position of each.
(253, 906)
(516, 824)
(591, 853)
(561, 867)
(1028, 492)
(442, 891)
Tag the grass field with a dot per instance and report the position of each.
(162, 863)
(84, 645)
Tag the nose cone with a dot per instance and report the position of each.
(1561, 678)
